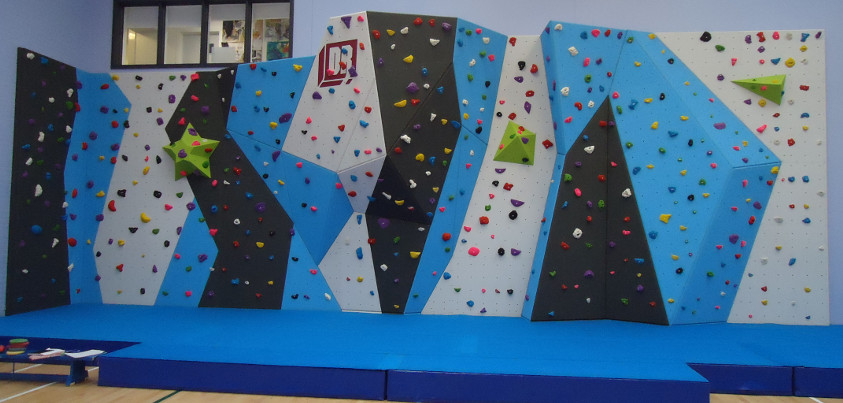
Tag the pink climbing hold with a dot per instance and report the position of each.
(761, 128)
(473, 251)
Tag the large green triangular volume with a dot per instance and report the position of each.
(770, 87)
(518, 145)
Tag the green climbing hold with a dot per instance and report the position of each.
(770, 87)
(518, 145)
(719, 48)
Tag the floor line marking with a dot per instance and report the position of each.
(33, 390)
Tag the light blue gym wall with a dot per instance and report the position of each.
(78, 32)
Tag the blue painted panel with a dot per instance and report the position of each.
(456, 195)
(736, 142)
(305, 287)
(724, 252)
(94, 149)
(674, 169)
(478, 83)
(190, 265)
(588, 75)
(280, 87)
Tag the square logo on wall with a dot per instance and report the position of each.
(337, 61)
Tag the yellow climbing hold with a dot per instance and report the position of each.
(778, 247)
(270, 282)
(400, 104)
(436, 190)
(682, 228)
(637, 64)
(134, 134)
(762, 102)
(664, 218)
(390, 32)
(683, 172)
(280, 182)
(670, 300)
(655, 125)
(448, 151)
(100, 194)
(145, 218)
(126, 110)
(134, 182)
(804, 128)
(443, 121)
(650, 166)
(790, 62)
(674, 257)
(121, 242)
(160, 110)
(705, 195)
(258, 92)
(414, 254)
(648, 100)
(803, 48)
(115, 77)
(408, 59)
(687, 83)
(399, 202)
(297, 67)
(807, 289)
(652, 36)
(146, 170)
(465, 116)
(273, 125)
(359, 279)
(419, 157)
(763, 302)
(259, 244)
(683, 118)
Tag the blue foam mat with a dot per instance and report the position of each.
(438, 344)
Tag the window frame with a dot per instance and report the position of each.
(118, 28)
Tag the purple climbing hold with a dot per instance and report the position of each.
(285, 117)
(500, 170)
(275, 155)
(182, 153)
(172, 99)
(515, 252)
(352, 71)
(516, 203)
(733, 238)
(640, 288)
(203, 257)
(446, 27)
(612, 244)
(205, 110)
(260, 207)
(757, 205)
(525, 140)
(383, 223)
(519, 79)
(191, 206)
(346, 20)
(412, 88)
(154, 269)
(720, 125)
(317, 95)
(528, 107)
(588, 274)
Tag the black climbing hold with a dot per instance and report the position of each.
(501, 251)
(513, 215)
(157, 194)
(521, 65)
(706, 36)
(133, 229)
(121, 193)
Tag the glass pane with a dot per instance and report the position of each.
(184, 34)
(271, 31)
(140, 35)
(226, 33)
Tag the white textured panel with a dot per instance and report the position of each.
(335, 130)
(483, 280)
(142, 143)
(355, 179)
(774, 290)
(349, 276)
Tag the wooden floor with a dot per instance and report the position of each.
(88, 391)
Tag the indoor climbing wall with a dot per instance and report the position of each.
(427, 164)
(785, 281)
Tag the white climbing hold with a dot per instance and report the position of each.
(577, 233)
(573, 51)
(40, 137)
(486, 40)
(327, 297)
(406, 138)
(589, 149)
(590, 104)
(565, 91)
(405, 30)
(413, 184)
(472, 63)
(384, 267)
(236, 221)
(434, 42)
(558, 27)
(432, 116)
(626, 193)
(38, 190)
(387, 195)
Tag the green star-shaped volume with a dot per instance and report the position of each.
(192, 153)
